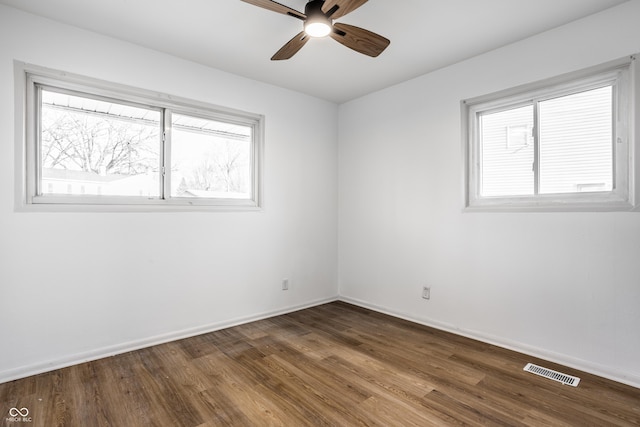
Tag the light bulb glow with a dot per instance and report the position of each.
(317, 29)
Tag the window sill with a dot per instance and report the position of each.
(500, 205)
(128, 204)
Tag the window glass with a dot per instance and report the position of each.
(210, 159)
(576, 142)
(575, 146)
(97, 147)
(507, 152)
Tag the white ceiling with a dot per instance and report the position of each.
(240, 38)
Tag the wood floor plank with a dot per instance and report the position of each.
(334, 365)
(328, 400)
(384, 412)
(387, 392)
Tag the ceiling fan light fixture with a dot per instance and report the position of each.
(317, 27)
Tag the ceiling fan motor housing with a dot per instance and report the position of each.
(317, 23)
(314, 7)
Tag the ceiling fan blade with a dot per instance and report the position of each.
(342, 7)
(277, 7)
(291, 47)
(359, 39)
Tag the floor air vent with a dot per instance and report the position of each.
(552, 375)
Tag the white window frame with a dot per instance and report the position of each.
(623, 74)
(28, 78)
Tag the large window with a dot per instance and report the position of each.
(565, 143)
(91, 143)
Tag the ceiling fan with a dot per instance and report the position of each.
(318, 19)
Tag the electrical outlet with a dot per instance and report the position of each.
(285, 284)
(426, 292)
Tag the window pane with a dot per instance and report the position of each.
(507, 152)
(210, 159)
(95, 147)
(576, 147)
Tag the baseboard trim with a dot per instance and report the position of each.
(75, 359)
(78, 358)
(562, 359)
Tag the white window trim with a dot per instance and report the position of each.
(626, 194)
(27, 76)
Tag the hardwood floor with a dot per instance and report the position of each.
(331, 365)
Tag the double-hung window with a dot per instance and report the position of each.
(93, 143)
(561, 144)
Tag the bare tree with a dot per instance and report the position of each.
(97, 143)
(223, 170)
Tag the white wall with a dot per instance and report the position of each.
(565, 286)
(82, 285)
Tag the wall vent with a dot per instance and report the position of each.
(552, 375)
